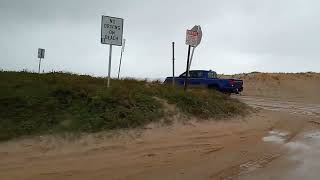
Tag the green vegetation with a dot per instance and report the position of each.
(59, 102)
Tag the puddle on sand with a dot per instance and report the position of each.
(303, 153)
(306, 152)
(313, 135)
(276, 136)
(297, 146)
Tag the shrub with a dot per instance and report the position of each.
(57, 102)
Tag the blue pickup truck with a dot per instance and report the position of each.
(210, 80)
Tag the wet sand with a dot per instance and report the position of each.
(299, 162)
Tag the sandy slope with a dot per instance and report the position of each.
(208, 150)
(303, 87)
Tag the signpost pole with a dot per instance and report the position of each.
(112, 34)
(109, 70)
(122, 50)
(39, 65)
(191, 58)
(173, 78)
(187, 70)
(120, 64)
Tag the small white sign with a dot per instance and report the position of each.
(111, 30)
(194, 36)
(41, 53)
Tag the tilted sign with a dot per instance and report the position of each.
(194, 36)
(111, 30)
(41, 53)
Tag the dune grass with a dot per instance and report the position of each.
(32, 104)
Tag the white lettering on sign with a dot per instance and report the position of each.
(111, 30)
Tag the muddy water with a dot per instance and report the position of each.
(307, 148)
(300, 162)
(302, 157)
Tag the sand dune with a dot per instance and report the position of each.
(192, 150)
(303, 87)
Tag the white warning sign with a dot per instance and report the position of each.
(111, 30)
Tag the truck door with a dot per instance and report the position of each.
(196, 78)
(181, 78)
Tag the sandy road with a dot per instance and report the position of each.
(195, 150)
(292, 107)
(302, 151)
(240, 148)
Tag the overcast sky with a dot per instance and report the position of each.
(238, 36)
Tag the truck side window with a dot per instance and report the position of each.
(212, 75)
(196, 74)
(192, 74)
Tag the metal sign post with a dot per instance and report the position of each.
(173, 78)
(198, 29)
(191, 58)
(187, 70)
(39, 65)
(40, 56)
(111, 33)
(109, 69)
(122, 50)
(193, 39)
